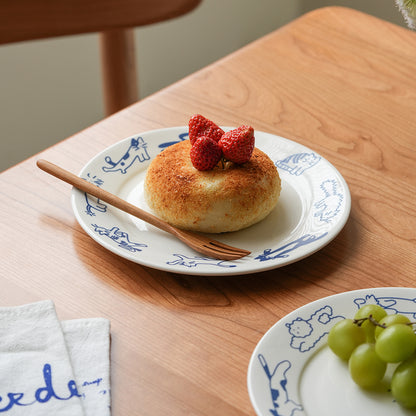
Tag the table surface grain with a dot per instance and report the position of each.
(336, 80)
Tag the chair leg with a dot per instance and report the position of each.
(120, 87)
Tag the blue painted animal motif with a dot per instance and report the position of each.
(329, 206)
(306, 332)
(93, 205)
(137, 150)
(278, 379)
(404, 306)
(120, 237)
(296, 164)
(284, 251)
(182, 137)
(196, 261)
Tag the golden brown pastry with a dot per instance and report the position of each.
(213, 201)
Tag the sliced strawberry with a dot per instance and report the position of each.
(238, 144)
(205, 153)
(201, 126)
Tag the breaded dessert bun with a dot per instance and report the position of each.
(214, 201)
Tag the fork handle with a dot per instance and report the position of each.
(103, 195)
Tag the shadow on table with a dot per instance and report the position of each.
(191, 291)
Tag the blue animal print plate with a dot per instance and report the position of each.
(312, 209)
(292, 372)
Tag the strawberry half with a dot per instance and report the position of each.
(205, 153)
(201, 126)
(238, 144)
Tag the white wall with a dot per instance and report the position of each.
(51, 89)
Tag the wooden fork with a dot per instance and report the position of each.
(200, 243)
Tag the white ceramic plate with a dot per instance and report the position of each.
(313, 207)
(293, 373)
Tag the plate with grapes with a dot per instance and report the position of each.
(292, 371)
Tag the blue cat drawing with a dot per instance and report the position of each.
(297, 163)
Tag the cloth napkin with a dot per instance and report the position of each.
(48, 367)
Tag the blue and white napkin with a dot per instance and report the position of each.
(48, 367)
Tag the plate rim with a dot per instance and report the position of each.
(298, 312)
(334, 230)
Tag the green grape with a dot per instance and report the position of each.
(366, 368)
(377, 312)
(344, 337)
(403, 383)
(389, 320)
(396, 343)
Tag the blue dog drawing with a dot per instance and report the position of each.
(136, 151)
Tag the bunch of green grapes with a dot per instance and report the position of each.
(373, 340)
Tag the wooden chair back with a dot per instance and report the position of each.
(115, 20)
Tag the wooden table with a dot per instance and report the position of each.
(336, 80)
